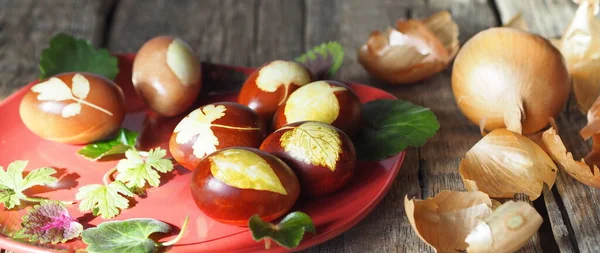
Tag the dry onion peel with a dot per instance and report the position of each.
(512, 78)
(580, 46)
(454, 222)
(593, 117)
(444, 221)
(517, 22)
(508, 228)
(504, 163)
(413, 51)
(579, 170)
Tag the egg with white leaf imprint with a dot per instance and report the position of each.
(322, 156)
(167, 75)
(213, 127)
(270, 86)
(76, 108)
(328, 101)
(233, 184)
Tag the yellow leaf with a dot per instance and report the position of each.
(198, 123)
(313, 143)
(182, 61)
(80, 86)
(278, 73)
(244, 169)
(315, 101)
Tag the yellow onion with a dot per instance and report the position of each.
(454, 222)
(415, 50)
(509, 78)
(505, 163)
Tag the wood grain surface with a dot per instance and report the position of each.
(251, 32)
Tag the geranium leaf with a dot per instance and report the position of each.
(288, 233)
(49, 222)
(123, 141)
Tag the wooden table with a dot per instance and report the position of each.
(251, 32)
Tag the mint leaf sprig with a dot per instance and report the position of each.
(69, 54)
(12, 183)
(288, 233)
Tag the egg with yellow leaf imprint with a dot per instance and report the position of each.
(233, 184)
(213, 127)
(75, 108)
(322, 156)
(328, 101)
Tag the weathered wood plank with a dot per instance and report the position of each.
(574, 210)
(218, 31)
(26, 26)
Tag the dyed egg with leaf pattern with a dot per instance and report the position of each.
(269, 86)
(233, 184)
(328, 101)
(75, 108)
(322, 156)
(213, 127)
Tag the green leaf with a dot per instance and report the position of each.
(288, 233)
(49, 222)
(128, 236)
(134, 171)
(68, 54)
(391, 126)
(123, 141)
(12, 183)
(324, 60)
(104, 200)
(124, 236)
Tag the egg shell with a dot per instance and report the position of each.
(53, 113)
(242, 127)
(167, 75)
(231, 205)
(314, 102)
(269, 86)
(316, 180)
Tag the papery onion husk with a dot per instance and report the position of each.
(415, 50)
(593, 117)
(444, 221)
(511, 78)
(508, 228)
(579, 170)
(517, 22)
(504, 163)
(580, 46)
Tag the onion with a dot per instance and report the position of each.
(508, 78)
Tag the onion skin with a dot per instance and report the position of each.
(510, 78)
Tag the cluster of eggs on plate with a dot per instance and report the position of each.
(239, 169)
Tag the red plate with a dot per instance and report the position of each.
(172, 201)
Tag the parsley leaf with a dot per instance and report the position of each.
(49, 222)
(128, 236)
(288, 233)
(12, 183)
(324, 60)
(68, 54)
(136, 172)
(104, 200)
(391, 126)
(123, 141)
